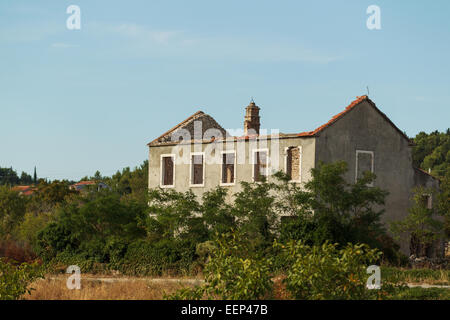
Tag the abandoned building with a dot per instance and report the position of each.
(199, 154)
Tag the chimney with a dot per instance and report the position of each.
(251, 119)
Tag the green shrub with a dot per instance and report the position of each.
(55, 238)
(232, 273)
(157, 258)
(325, 272)
(15, 280)
(67, 258)
(28, 230)
(12, 210)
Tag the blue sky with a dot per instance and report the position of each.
(76, 101)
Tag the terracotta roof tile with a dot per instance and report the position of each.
(335, 118)
(21, 188)
(350, 107)
(313, 133)
(25, 190)
(84, 183)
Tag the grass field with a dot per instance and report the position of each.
(55, 288)
(96, 287)
(416, 276)
(423, 294)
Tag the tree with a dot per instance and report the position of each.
(8, 177)
(28, 230)
(173, 215)
(332, 209)
(419, 224)
(432, 151)
(328, 208)
(131, 184)
(254, 209)
(25, 179)
(12, 210)
(97, 176)
(444, 202)
(216, 212)
(88, 222)
(49, 195)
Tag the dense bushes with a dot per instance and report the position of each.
(101, 231)
(157, 258)
(12, 211)
(235, 271)
(164, 232)
(326, 272)
(87, 225)
(420, 224)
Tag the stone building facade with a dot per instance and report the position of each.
(198, 154)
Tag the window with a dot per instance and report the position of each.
(427, 201)
(197, 169)
(364, 162)
(228, 167)
(167, 170)
(260, 165)
(293, 163)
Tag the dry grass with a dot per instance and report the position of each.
(416, 276)
(441, 278)
(54, 288)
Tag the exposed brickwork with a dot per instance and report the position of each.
(207, 122)
(251, 120)
(293, 163)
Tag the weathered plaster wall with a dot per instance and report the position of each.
(244, 167)
(364, 128)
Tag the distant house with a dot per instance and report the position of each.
(25, 190)
(83, 184)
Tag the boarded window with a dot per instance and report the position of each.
(228, 167)
(293, 162)
(427, 202)
(364, 163)
(167, 171)
(197, 169)
(260, 165)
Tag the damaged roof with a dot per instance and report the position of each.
(349, 108)
(207, 121)
(164, 139)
